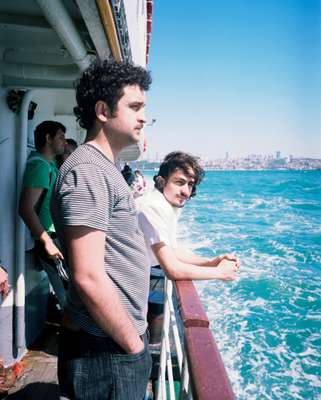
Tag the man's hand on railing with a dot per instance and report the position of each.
(227, 270)
(230, 257)
(214, 262)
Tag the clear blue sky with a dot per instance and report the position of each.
(241, 76)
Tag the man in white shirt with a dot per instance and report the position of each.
(179, 175)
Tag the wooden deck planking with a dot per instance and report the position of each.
(39, 377)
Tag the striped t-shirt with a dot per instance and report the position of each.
(91, 192)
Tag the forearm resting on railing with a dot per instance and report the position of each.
(178, 270)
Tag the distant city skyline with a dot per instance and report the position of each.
(236, 77)
(256, 162)
(228, 156)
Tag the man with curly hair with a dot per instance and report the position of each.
(176, 182)
(103, 348)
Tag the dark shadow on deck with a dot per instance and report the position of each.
(39, 376)
(36, 391)
(47, 342)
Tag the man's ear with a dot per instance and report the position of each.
(48, 138)
(160, 182)
(102, 111)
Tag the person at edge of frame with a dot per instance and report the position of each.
(4, 284)
(103, 346)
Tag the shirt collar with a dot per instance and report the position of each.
(159, 195)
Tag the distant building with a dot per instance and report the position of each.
(278, 155)
(260, 162)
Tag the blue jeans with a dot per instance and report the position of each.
(93, 368)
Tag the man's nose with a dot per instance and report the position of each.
(142, 116)
(186, 190)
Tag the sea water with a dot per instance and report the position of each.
(267, 324)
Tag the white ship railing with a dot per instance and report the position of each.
(165, 366)
(201, 369)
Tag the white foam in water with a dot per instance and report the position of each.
(258, 202)
(281, 226)
(295, 392)
(316, 257)
(222, 227)
(259, 302)
(201, 244)
(304, 202)
(260, 363)
(292, 255)
(233, 204)
(309, 352)
(231, 235)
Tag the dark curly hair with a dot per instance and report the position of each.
(179, 160)
(105, 80)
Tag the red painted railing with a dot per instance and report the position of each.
(208, 376)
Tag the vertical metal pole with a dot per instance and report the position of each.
(19, 290)
(161, 387)
(184, 395)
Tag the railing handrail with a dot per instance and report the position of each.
(208, 376)
(191, 309)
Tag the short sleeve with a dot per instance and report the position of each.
(86, 197)
(154, 227)
(37, 175)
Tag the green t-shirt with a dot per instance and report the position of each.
(41, 173)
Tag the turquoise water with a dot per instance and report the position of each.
(268, 323)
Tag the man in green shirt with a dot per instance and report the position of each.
(34, 207)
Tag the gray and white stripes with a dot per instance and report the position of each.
(90, 191)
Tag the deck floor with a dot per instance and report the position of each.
(39, 378)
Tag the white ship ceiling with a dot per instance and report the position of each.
(46, 43)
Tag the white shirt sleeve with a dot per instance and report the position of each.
(154, 227)
(158, 221)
